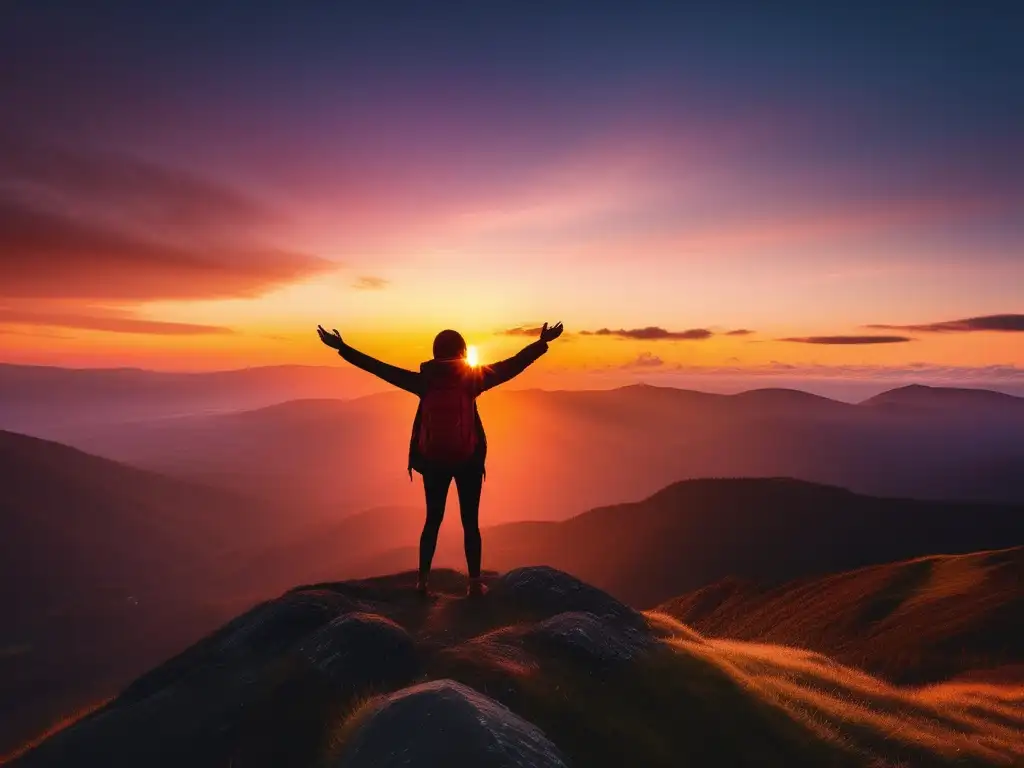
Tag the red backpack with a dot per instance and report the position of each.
(447, 423)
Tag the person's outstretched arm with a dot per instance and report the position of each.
(392, 374)
(502, 371)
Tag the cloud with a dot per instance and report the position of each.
(523, 331)
(370, 283)
(1004, 323)
(112, 321)
(911, 372)
(848, 339)
(653, 333)
(919, 371)
(645, 360)
(160, 194)
(103, 226)
(740, 332)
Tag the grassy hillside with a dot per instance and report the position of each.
(930, 618)
(697, 532)
(104, 569)
(309, 679)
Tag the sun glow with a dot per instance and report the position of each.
(472, 356)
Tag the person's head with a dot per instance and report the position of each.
(448, 345)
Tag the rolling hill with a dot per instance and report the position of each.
(921, 620)
(105, 569)
(697, 532)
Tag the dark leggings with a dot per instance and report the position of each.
(468, 483)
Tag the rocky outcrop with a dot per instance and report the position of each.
(258, 635)
(361, 650)
(590, 639)
(543, 592)
(445, 723)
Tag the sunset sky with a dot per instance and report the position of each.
(699, 190)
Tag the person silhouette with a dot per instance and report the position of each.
(448, 441)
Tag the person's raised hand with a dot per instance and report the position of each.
(552, 333)
(332, 340)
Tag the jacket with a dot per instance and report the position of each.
(478, 380)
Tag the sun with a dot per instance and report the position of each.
(472, 356)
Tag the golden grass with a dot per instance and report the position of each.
(949, 723)
(666, 626)
(920, 621)
(950, 576)
(348, 721)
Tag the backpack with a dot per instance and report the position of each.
(447, 433)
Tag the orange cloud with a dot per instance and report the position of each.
(114, 322)
(370, 283)
(522, 331)
(645, 360)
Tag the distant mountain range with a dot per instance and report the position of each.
(553, 454)
(35, 399)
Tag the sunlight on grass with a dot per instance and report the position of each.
(61, 724)
(952, 576)
(951, 721)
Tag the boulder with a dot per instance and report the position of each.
(544, 592)
(274, 626)
(259, 635)
(445, 723)
(594, 640)
(360, 650)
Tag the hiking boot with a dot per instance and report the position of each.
(476, 588)
(422, 589)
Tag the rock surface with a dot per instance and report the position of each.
(445, 723)
(588, 638)
(544, 592)
(360, 650)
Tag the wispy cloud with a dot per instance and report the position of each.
(520, 330)
(102, 226)
(848, 339)
(112, 321)
(370, 283)
(645, 360)
(740, 332)
(652, 333)
(1003, 323)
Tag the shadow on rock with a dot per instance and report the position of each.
(445, 723)
(360, 651)
(541, 592)
(589, 639)
(258, 635)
